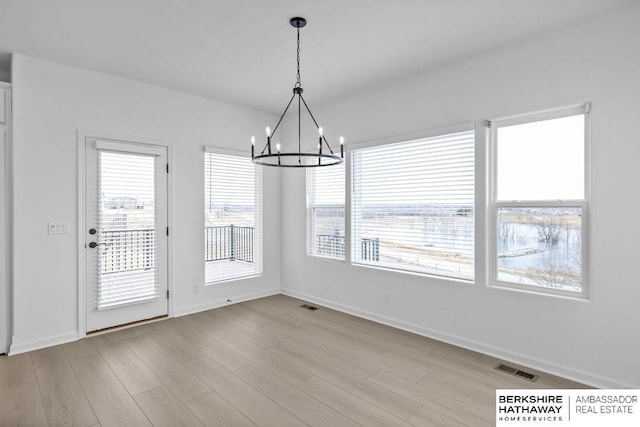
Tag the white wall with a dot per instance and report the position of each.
(598, 341)
(53, 101)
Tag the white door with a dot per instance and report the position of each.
(126, 232)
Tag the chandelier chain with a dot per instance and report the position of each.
(298, 83)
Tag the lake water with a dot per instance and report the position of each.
(455, 235)
(564, 254)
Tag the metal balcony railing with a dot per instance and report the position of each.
(370, 249)
(229, 242)
(126, 250)
(332, 245)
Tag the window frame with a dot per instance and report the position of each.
(349, 199)
(310, 231)
(259, 213)
(493, 204)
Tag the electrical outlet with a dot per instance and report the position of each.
(387, 299)
(196, 289)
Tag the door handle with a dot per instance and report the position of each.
(94, 244)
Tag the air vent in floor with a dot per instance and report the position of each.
(309, 307)
(516, 372)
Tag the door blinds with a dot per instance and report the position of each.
(126, 229)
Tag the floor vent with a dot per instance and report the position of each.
(517, 372)
(309, 307)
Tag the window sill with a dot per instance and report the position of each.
(232, 279)
(415, 273)
(532, 290)
(323, 258)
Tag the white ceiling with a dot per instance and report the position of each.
(243, 51)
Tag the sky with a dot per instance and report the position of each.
(541, 160)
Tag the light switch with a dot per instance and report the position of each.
(59, 228)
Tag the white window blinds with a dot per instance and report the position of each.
(233, 217)
(127, 226)
(325, 212)
(412, 205)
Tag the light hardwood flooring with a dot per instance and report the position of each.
(265, 362)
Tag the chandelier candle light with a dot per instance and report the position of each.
(297, 159)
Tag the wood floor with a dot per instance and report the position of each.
(265, 362)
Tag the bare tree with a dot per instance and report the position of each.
(509, 235)
(554, 276)
(548, 276)
(506, 233)
(549, 232)
(574, 252)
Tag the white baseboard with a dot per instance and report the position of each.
(497, 352)
(18, 347)
(221, 303)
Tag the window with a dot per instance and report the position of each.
(412, 205)
(539, 201)
(233, 217)
(325, 212)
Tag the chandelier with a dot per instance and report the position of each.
(270, 157)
